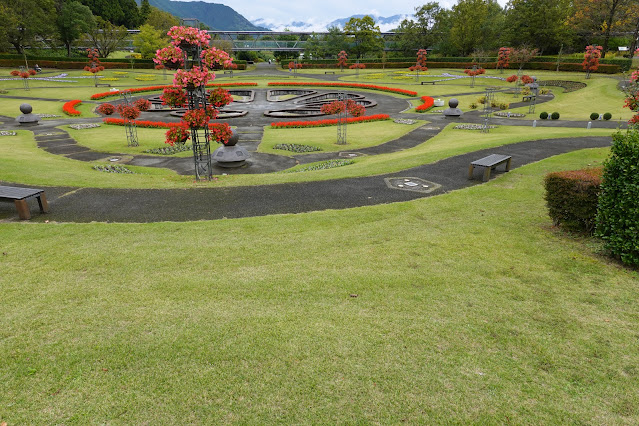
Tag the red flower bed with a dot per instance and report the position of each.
(428, 104)
(328, 122)
(348, 85)
(69, 107)
(157, 124)
(154, 88)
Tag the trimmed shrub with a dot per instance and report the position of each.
(607, 116)
(571, 198)
(618, 213)
(543, 115)
(594, 116)
(554, 116)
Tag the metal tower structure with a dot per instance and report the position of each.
(129, 125)
(341, 121)
(490, 97)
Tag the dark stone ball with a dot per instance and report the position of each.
(453, 103)
(26, 108)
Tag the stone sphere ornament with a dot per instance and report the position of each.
(26, 118)
(452, 111)
(26, 109)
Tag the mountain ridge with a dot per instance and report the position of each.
(216, 16)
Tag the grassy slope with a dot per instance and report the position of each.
(470, 308)
(23, 162)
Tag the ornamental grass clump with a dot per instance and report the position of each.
(571, 197)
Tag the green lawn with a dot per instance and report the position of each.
(470, 308)
(112, 139)
(360, 135)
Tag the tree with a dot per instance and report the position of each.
(118, 12)
(365, 35)
(161, 20)
(27, 22)
(422, 30)
(591, 59)
(476, 24)
(314, 48)
(148, 41)
(592, 18)
(540, 23)
(74, 20)
(106, 37)
(335, 40)
(145, 11)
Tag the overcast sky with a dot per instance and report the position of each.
(324, 11)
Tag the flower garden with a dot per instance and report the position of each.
(466, 307)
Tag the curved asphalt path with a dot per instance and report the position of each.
(151, 205)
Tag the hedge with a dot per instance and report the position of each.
(603, 68)
(618, 215)
(571, 198)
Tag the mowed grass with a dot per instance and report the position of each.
(112, 139)
(359, 135)
(23, 162)
(463, 308)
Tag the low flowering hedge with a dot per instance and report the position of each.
(156, 124)
(347, 85)
(328, 122)
(428, 104)
(69, 107)
(162, 87)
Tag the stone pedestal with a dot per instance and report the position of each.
(231, 155)
(452, 111)
(27, 118)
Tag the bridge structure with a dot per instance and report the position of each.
(280, 41)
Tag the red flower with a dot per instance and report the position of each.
(428, 104)
(349, 85)
(128, 112)
(177, 134)
(142, 104)
(106, 109)
(15, 73)
(220, 97)
(69, 107)
(526, 79)
(512, 78)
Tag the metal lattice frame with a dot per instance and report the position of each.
(25, 81)
(472, 77)
(488, 110)
(341, 121)
(129, 125)
(200, 138)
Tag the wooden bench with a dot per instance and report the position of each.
(228, 72)
(329, 72)
(427, 82)
(489, 163)
(20, 196)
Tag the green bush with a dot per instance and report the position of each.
(594, 116)
(554, 116)
(607, 116)
(618, 213)
(571, 198)
(543, 115)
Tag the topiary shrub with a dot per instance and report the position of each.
(554, 116)
(607, 116)
(543, 115)
(594, 116)
(618, 213)
(571, 198)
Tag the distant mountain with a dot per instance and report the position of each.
(385, 23)
(217, 16)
